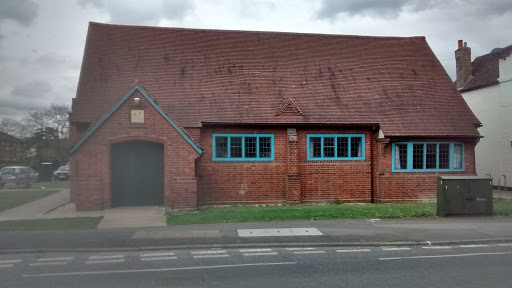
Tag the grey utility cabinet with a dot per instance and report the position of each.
(464, 195)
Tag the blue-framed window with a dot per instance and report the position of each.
(335, 146)
(243, 147)
(427, 156)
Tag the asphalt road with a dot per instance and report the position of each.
(447, 266)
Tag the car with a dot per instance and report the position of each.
(33, 175)
(61, 174)
(16, 175)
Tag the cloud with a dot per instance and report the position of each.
(23, 12)
(374, 8)
(147, 12)
(31, 89)
(254, 9)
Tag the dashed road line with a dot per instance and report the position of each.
(309, 252)
(353, 250)
(446, 256)
(395, 248)
(56, 259)
(10, 261)
(47, 263)
(104, 261)
(260, 254)
(437, 247)
(106, 256)
(299, 249)
(211, 256)
(159, 258)
(255, 250)
(157, 254)
(473, 246)
(209, 252)
(6, 265)
(505, 244)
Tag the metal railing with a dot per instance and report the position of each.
(504, 182)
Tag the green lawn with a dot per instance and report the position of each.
(50, 185)
(234, 214)
(14, 198)
(51, 224)
(502, 207)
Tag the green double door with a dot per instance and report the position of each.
(137, 173)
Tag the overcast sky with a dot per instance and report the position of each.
(42, 42)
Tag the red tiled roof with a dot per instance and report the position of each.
(485, 69)
(245, 77)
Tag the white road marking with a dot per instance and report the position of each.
(298, 249)
(104, 261)
(395, 248)
(505, 244)
(157, 254)
(260, 254)
(308, 252)
(278, 232)
(254, 250)
(47, 263)
(354, 250)
(209, 252)
(6, 265)
(210, 256)
(446, 256)
(437, 247)
(56, 259)
(106, 257)
(473, 246)
(10, 261)
(156, 270)
(159, 258)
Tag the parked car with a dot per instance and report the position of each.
(33, 175)
(16, 175)
(61, 174)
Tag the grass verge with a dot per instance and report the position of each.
(301, 212)
(78, 223)
(233, 214)
(50, 185)
(14, 198)
(502, 207)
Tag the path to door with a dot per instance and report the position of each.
(136, 216)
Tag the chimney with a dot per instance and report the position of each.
(463, 64)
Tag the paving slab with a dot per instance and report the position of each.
(132, 217)
(37, 209)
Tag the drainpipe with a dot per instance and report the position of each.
(372, 184)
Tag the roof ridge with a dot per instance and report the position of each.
(91, 23)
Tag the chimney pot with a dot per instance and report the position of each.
(465, 44)
(460, 44)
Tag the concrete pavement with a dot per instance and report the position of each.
(131, 217)
(361, 232)
(36, 209)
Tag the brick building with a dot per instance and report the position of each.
(12, 149)
(187, 117)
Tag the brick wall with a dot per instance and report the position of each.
(346, 180)
(91, 168)
(405, 186)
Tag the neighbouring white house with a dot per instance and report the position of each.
(486, 85)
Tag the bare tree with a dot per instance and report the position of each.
(13, 127)
(58, 116)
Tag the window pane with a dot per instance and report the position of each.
(457, 156)
(431, 156)
(265, 150)
(315, 147)
(221, 147)
(401, 156)
(250, 147)
(342, 147)
(236, 147)
(355, 147)
(329, 147)
(444, 156)
(417, 156)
